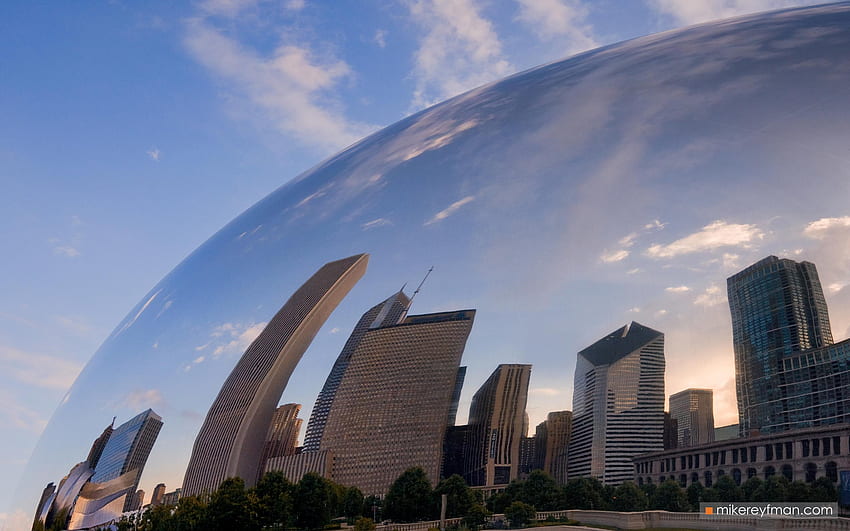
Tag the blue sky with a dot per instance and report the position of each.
(131, 132)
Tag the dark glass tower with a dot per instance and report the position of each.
(778, 309)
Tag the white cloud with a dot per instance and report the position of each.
(655, 225)
(141, 399)
(153, 154)
(628, 240)
(712, 296)
(835, 287)
(712, 236)
(295, 5)
(14, 414)
(559, 19)
(614, 256)
(459, 51)
(234, 338)
(40, 370)
(688, 12)
(677, 289)
(226, 8)
(381, 38)
(634, 271)
(817, 229)
(545, 391)
(451, 209)
(634, 310)
(375, 223)
(660, 313)
(335, 330)
(291, 87)
(66, 250)
(75, 325)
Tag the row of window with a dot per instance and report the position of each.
(810, 470)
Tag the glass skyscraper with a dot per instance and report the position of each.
(778, 310)
(693, 411)
(618, 404)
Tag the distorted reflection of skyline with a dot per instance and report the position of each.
(623, 184)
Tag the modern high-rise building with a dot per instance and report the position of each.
(128, 449)
(618, 404)
(496, 424)
(387, 313)
(230, 441)
(392, 404)
(671, 432)
(693, 411)
(553, 439)
(778, 311)
(282, 437)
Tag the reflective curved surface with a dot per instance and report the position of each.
(625, 183)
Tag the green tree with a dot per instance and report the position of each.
(750, 487)
(629, 497)
(584, 493)
(499, 502)
(694, 494)
(541, 491)
(190, 514)
(410, 497)
(476, 516)
(313, 500)
(372, 507)
(519, 513)
(158, 518)
(229, 507)
(273, 495)
(823, 490)
(727, 490)
(670, 497)
(364, 524)
(799, 491)
(459, 496)
(775, 489)
(352, 502)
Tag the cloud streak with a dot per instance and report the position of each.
(564, 20)
(713, 236)
(48, 372)
(451, 209)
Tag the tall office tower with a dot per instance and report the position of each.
(99, 444)
(230, 442)
(389, 312)
(671, 432)
(788, 372)
(618, 404)
(454, 451)
(527, 456)
(138, 500)
(557, 430)
(693, 410)
(392, 404)
(128, 449)
(497, 422)
(158, 494)
(461, 376)
(282, 437)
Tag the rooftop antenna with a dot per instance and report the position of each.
(113, 421)
(410, 302)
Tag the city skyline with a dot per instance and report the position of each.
(555, 257)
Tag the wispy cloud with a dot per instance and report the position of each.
(564, 20)
(76, 325)
(141, 399)
(226, 8)
(234, 338)
(677, 289)
(40, 370)
(459, 50)
(544, 391)
(153, 153)
(380, 38)
(614, 256)
(66, 250)
(451, 209)
(712, 296)
(14, 414)
(688, 12)
(292, 86)
(819, 228)
(375, 223)
(712, 236)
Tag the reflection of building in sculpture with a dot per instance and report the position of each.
(552, 438)
(618, 404)
(172, 497)
(282, 437)
(388, 312)
(393, 402)
(293, 467)
(230, 442)
(693, 411)
(128, 449)
(99, 489)
(671, 432)
(497, 423)
(158, 494)
(788, 372)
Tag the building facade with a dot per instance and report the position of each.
(293, 467)
(778, 309)
(282, 438)
(389, 312)
(693, 411)
(552, 439)
(497, 425)
(618, 404)
(803, 455)
(230, 441)
(392, 405)
(158, 494)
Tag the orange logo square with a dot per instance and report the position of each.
(709, 510)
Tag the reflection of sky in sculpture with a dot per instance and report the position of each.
(558, 202)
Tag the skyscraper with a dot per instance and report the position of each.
(282, 437)
(553, 439)
(392, 405)
(388, 312)
(496, 422)
(128, 449)
(158, 494)
(778, 308)
(693, 411)
(230, 442)
(618, 404)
